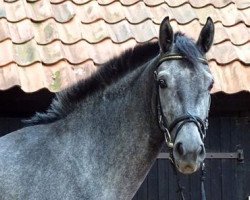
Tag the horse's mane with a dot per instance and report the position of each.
(116, 68)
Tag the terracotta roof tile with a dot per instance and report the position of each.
(4, 33)
(30, 52)
(139, 12)
(55, 77)
(14, 11)
(119, 32)
(39, 11)
(53, 43)
(63, 12)
(20, 32)
(9, 76)
(6, 53)
(2, 10)
(230, 53)
(232, 78)
(49, 30)
(25, 54)
(242, 4)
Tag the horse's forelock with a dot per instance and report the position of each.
(187, 48)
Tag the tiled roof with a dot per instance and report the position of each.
(52, 44)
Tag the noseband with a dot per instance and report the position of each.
(178, 123)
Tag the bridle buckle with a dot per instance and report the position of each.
(168, 139)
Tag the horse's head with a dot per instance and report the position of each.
(184, 82)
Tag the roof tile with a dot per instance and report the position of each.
(25, 54)
(9, 76)
(95, 32)
(119, 32)
(242, 4)
(39, 11)
(4, 33)
(32, 1)
(2, 10)
(49, 30)
(32, 77)
(30, 52)
(20, 32)
(6, 53)
(51, 53)
(79, 2)
(55, 78)
(232, 33)
(46, 32)
(56, 1)
(63, 12)
(53, 43)
(184, 14)
(230, 53)
(15, 11)
(215, 3)
(194, 3)
(129, 2)
(10, 1)
(232, 78)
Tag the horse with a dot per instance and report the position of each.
(99, 137)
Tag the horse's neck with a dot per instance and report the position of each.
(118, 134)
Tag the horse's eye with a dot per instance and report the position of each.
(211, 86)
(162, 83)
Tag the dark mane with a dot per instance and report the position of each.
(110, 72)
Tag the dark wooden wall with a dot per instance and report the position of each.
(226, 179)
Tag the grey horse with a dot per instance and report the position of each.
(99, 138)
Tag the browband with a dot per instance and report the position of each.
(166, 57)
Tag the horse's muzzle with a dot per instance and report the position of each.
(187, 168)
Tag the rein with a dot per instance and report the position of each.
(178, 123)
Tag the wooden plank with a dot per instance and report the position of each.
(153, 183)
(244, 172)
(227, 175)
(214, 164)
(184, 181)
(236, 132)
(142, 193)
(194, 185)
(172, 183)
(207, 147)
(163, 167)
(135, 197)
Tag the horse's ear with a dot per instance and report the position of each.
(166, 35)
(206, 37)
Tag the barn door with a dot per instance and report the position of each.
(227, 166)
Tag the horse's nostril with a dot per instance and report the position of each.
(179, 148)
(201, 151)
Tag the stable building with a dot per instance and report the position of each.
(48, 45)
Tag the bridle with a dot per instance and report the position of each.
(202, 125)
(179, 122)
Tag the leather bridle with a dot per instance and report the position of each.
(178, 123)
